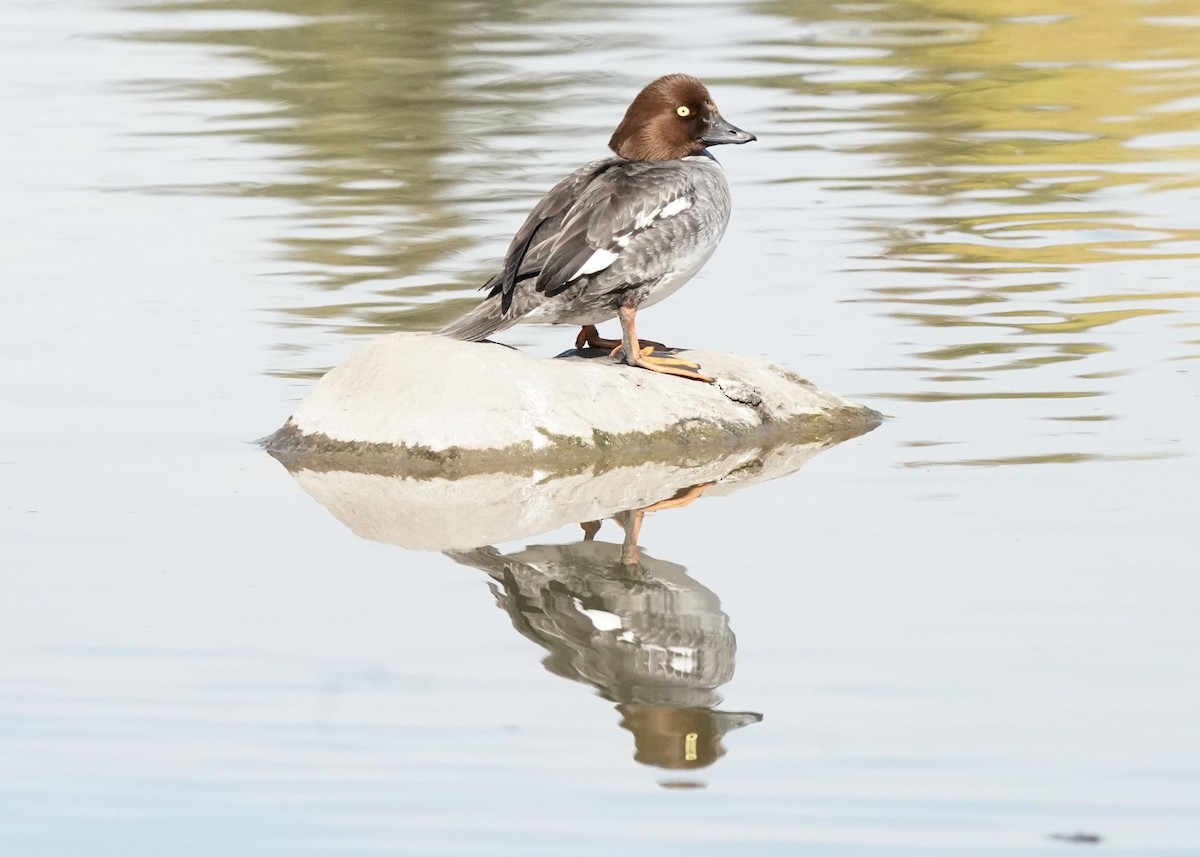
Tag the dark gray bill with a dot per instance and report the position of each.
(719, 131)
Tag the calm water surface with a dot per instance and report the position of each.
(966, 632)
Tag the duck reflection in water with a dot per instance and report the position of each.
(638, 629)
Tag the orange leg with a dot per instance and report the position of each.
(589, 337)
(683, 498)
(631, 522)
(634, 353)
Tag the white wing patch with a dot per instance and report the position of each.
(598, 261)
(602, 620)
(602, 258)
(675, 206)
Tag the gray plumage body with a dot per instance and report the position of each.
(613, 233)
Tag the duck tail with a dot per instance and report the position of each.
(479, 323)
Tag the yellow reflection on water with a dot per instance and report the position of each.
(1030, 104)
(1049, 153)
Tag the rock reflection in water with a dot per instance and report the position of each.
(638, 629)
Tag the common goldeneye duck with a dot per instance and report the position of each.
(621, 232)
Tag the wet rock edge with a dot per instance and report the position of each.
(683, 443)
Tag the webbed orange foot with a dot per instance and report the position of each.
(665, 364)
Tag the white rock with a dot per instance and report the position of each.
(432, 405)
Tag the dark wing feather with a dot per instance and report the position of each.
(523, 259)
(611, 214)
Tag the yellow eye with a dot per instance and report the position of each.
(682, 110)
